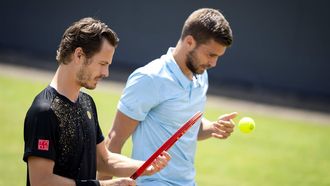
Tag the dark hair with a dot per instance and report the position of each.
(87, 33)
(205, 24)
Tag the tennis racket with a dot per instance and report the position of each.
(168, 144)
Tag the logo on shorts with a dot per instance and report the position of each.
(89, 114)
(43, 144)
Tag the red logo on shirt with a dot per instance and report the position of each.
(43, 144)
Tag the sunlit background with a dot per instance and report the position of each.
(276, 72)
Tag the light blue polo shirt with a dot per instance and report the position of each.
(162, 98)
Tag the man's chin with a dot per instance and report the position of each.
(200, 71)
(93, 85)
(90, 87)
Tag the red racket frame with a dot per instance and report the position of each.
(168, 144)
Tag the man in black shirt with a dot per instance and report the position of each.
(64, 144)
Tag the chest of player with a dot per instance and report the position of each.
(75, 134)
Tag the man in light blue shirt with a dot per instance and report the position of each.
(161, 96)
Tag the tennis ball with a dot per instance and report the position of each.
(246, 125)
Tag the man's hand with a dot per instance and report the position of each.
(224, 126)
(118, 182)
(158, 164)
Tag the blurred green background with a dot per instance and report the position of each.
(279, 152)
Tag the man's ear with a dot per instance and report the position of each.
(190, 41)
(78, 55)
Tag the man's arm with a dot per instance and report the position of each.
(112, 164)
(123, 126)
(120, 166)
(41, 173)
(220, 129)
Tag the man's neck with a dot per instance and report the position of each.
(64, 83)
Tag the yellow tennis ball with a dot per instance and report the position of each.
(246, 124)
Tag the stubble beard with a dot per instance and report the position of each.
(192, 63)
(84, 76)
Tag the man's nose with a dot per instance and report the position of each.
(213, 63)
(105, 71)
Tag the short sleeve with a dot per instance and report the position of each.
(139, 96)
(98, 131)
(39, 133)
(99, 135)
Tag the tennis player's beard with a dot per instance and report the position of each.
(84, 78)
(192, 63)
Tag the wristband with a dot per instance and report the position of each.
(87, 183)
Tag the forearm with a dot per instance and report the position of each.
(52, 180)
(205, 130)
(41, 173)
(123, 166)
(112, 146)
(118, 165)
(55, 180)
